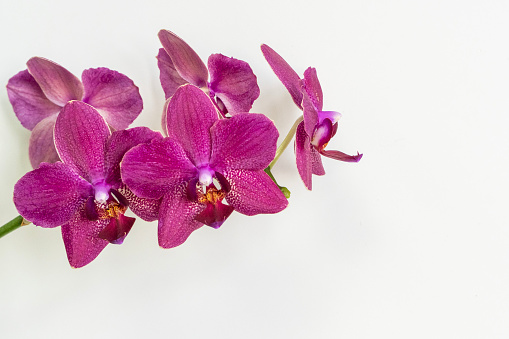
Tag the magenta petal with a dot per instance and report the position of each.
(147, 209)
(119, 143)
(303, 155)
(310, 115)
(177, 217)
(42, 146)
(81, 240)
(214, 215)
(337, 155)
(190, 116)
(58, 84)
(113, 94)
(285, 73)
(28, 101)
(234, 82)
(187, 63)
(50, 195)
(168, 76)
(245, 141)
(150, 170)
(117, 229)
(316, 162)
(80, 139)
(254, 192)
(313, 88)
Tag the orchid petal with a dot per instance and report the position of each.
(331, 115)
(50, 195)
(113, 94)
(150, 170)
(303, 156)
(81, 239)
(316, 162)
(118, 144)
(245, 141)
(147, 209)
(80, 139)
(41, 145)
(313, 88)
(28, 101)
(168, 76)
(177, 217)
(285, 73)
(187, 63)
(214, 215)
(190, 116)
(254, 192)
(117, 229)
(337, 155)
(164, 120)
(58, 84)
(234, 82)
(310, 114)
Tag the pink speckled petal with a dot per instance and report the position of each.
(168, 76)
(234, 82)
(50, 195)
(245, 141)
(303, 156)
(41, 147)
(337, 155)
(150, 170)
(118, 144)
(310, 115)
(80, 139)
(28, 101)
(147, 209)
(81, 239)
(187, 63)
(313, 88)
(316, 162)
(190, 116)
(176, 217)
(58, 84)
(285, 73)
(254, 192)
(113, 94)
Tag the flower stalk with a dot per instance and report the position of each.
(286, 141)
(12, 225)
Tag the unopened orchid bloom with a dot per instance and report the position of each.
(232, 85)
(38, 94)
(203, 163)
(84, 193)
(317, 127)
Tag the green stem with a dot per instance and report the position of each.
(286, 141)
(11, 225)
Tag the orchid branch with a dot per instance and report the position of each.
(12, 225)
(286, 141)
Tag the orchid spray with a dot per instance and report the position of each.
(213, 157)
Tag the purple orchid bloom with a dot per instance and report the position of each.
(232, 86)
(38, 94)
(84, 193)
(204, 160)
(318, 127)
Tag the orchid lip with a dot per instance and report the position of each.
(322, 134)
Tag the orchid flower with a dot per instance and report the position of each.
(203, 161)
(317, 127)
(84, 193)
(38, 94)
(232, 85)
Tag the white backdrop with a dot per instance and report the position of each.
(412, 242)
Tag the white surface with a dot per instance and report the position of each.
(412, 242)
